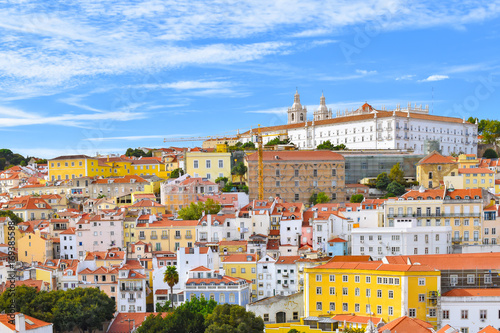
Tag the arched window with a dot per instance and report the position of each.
(301, 117)
(293, 117)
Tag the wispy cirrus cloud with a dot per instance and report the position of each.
(139, 137)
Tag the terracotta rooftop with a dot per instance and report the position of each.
(437, 158)
(473, 292)
(407, 324)
(456, 261)
(356, 319)
(287, 260)
(123, 320)
(239, 257)
(32, 324)
(489, 329)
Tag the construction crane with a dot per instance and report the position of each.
(260, 151)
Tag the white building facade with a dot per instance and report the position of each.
(368, 128)
(266, 277)
(405, 238)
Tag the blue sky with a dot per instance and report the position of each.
(101, 76)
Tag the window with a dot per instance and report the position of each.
(470, 278)
(487, 278)
(421, 281)
(221, 164)
(318, 290)
(379, 309)
(464, 314)
(432, 312)
(379, 293)
(391, 311)
(332, 306)
(421, 297)
(345, 291)
(446, 314)
(391, 294)
(295, 315)
(318, 277)
(319, 306)
(332, 278)
(356, 307)
(345, 307)
(208, 164)
(453, 279)
(195, 164)
(345, 278)
(483, 314)
(332, 290)
(368, 279)
(266, 316)
(368, 292)
(315, 173)
(356, 292)
(356, 278)
(412, 313)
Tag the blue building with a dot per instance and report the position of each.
(336, 247)
(210, 284)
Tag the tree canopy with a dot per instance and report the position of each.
(277, 141)
(171, 277)
(397, 174)
(16, 219)
(396, 188)
(188, 317)
(83, 308)
(382, 181)
(195, 210)
(488, 128)
(138, 153)
(240, 170)
(176, 173)
(357, 198)
(328, 145)
(490, 153)
(9, 159)
(231, 318)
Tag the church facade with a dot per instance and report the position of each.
(407, 129)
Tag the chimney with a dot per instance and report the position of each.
(20, 323)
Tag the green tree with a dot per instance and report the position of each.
(218, 180)
(13, 217)
(3, 161)
(211, 206)
(490, 153)
(357, 198)
(396, 188)
(176, 173)
(397, 174)
(382, 181)
(277, 141)
(163, 308)
(240, 170)
(248, 145)
(232, 318)
(327, 145)
(171, 277)
(21, 297)
(322, 198)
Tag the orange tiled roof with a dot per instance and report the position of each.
(489, 329)
(287, 260)
(473, 292)
(239, 257)
(455, 261)
(356, 319)
(5, 320)
(123, 320)
(437, 158)
(475, 170)
(407, 324)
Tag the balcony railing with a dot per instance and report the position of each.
(177, 236)
(285, 274)
(131, 300)
(203, 239)
(188, 236)
(142, 237)
(456, 239)
(164, 236)
(154, 237)
(130, 288)
(285, 285)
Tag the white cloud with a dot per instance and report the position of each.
(405, 77)
(360, 73)
(46, 46)
(140, 137)
(435, 77)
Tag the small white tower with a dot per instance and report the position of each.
(323, 112)
(297, 113)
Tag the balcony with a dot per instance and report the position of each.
(164, 236)
(285, 285)
(178, 237)
(188, 236)
(154, 237)
(142, 237)
(130, 288)
(456, 239)
(203, 239)
(285, 274)
(131, 300)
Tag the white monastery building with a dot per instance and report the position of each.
(407, 128)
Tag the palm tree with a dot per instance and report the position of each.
(171, 277)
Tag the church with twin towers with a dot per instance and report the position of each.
(412, 128)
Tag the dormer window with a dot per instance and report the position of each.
(466, 197)
(457, 197)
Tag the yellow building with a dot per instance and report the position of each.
(213, 143)
(466, 161)
(35, 247)
(210, 165)
(434, 167)
(459, 208)
(165, 234)
(232, 247)
(77, 166)
(477, 178)
(242, 265)
(388, 291)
